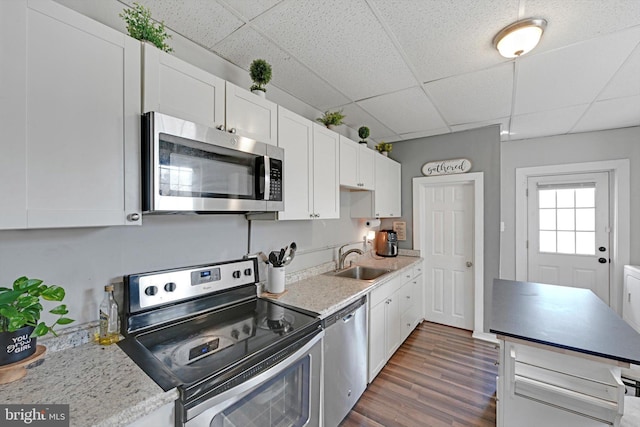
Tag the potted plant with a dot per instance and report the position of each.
(20, 309)
(140, 27)
(260, 72)
(363, 133)
(331, 118)
(384, 148)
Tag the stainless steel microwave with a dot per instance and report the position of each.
(188, 167)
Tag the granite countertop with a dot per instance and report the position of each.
(563, 317)
(101, 384)
(325, 294)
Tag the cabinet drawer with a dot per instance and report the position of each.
(417, 270)
(384, 291)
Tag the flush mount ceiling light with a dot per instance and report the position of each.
(520, 37)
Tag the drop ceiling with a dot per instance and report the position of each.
(415, 68)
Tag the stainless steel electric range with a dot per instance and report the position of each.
(237, 360)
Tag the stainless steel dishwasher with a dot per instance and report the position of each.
(345, 360)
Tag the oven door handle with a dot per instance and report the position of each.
(223, 400)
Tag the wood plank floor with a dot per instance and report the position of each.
(440, 377)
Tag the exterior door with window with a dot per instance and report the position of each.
(568, 231)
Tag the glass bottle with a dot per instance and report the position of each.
(109, 325)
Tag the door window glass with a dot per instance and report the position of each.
(567, 220)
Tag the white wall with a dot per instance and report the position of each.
(84, 260)
(564, 149)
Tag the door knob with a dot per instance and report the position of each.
(602, 260)
(469, 264)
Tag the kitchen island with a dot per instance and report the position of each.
(561, 353)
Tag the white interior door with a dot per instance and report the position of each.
(568, 231)
(448, 242)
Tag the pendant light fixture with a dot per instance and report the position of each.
(520, 37)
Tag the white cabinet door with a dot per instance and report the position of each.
(357, 168)
(377, 332)
(295, 136)
(326, 173)
(79, 150)
(384, 201)
(251, 116)
(366, 167)
(393, 324)
(177, 88)
(349, 162)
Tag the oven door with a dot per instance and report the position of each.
(194, 168)
(289, 394)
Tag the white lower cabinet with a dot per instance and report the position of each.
(395, 310)
(70, 119)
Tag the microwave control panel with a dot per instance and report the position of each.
(275, 192)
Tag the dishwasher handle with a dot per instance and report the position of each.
(348, 317)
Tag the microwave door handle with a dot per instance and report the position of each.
(267, 177)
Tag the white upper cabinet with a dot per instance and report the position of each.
(385, 200)
(251, 116)
(70, 119)
(175, 87)
(311, 154)
(356, 165)
(326, 173)
(296, 138)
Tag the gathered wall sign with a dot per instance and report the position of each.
(446, 167)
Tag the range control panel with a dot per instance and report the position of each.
(149, 290)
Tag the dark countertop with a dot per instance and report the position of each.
(568, 318)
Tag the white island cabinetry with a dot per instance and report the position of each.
(71, 119)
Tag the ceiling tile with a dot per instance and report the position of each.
(474, 97)
(245, 45)
(545, 123)
(626, 82)
(503, 122)
(423, 134)
(571, 21)
(610, 114)
(203, 21)
(573, 75)
(444, 38)
(356, 117)
(342, 42)
(249, 9)
(405, 111)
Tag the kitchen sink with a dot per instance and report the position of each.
(360, 272)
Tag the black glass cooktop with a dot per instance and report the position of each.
(211, 343)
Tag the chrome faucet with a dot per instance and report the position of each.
(343, 256)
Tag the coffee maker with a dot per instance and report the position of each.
(387, 243)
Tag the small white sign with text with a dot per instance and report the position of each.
(446, 167)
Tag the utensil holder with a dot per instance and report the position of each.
(275, 283)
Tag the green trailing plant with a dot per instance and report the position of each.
(141, 27)
(363, 133)
(331, 118)
(260, 73)
(384, 146)
(21, 305)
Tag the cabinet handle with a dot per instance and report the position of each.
(408, 296)
(220, 127)
(310, 215)
(232, 130)
(133, 217)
